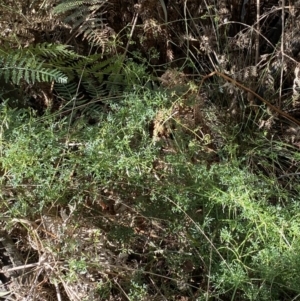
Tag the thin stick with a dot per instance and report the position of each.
(58, 295)
(282, 52)
(135, 17)
(227, 78)
(257, 32)
(21, 267)
(202, 232)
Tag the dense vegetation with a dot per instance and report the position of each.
(150, 150)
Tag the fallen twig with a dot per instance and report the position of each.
(233, 81)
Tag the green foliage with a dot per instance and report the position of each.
(78, 5)
(137, 292)
(98, 79)
(218, 218)
(86, 18)
(105, 152)
(90, 78)
(17, 66)
(209, 209)
(222, 219)
(53, 53)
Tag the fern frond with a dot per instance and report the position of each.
(98, 37)
(41, 63)
(87, 18)
(18, 66)
(115, 83)
(104, 67)
(70, 97)
(68, 5)
(47, 51)
(94, 90)
(66, 91)
(74, 101)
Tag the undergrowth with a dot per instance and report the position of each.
(173, 185)
(226, 231)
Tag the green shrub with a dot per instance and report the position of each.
(221, 220)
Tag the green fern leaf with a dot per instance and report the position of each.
(76, 4)
(19, 66)
(86, 18)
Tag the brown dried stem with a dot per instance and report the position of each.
(274, 108)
